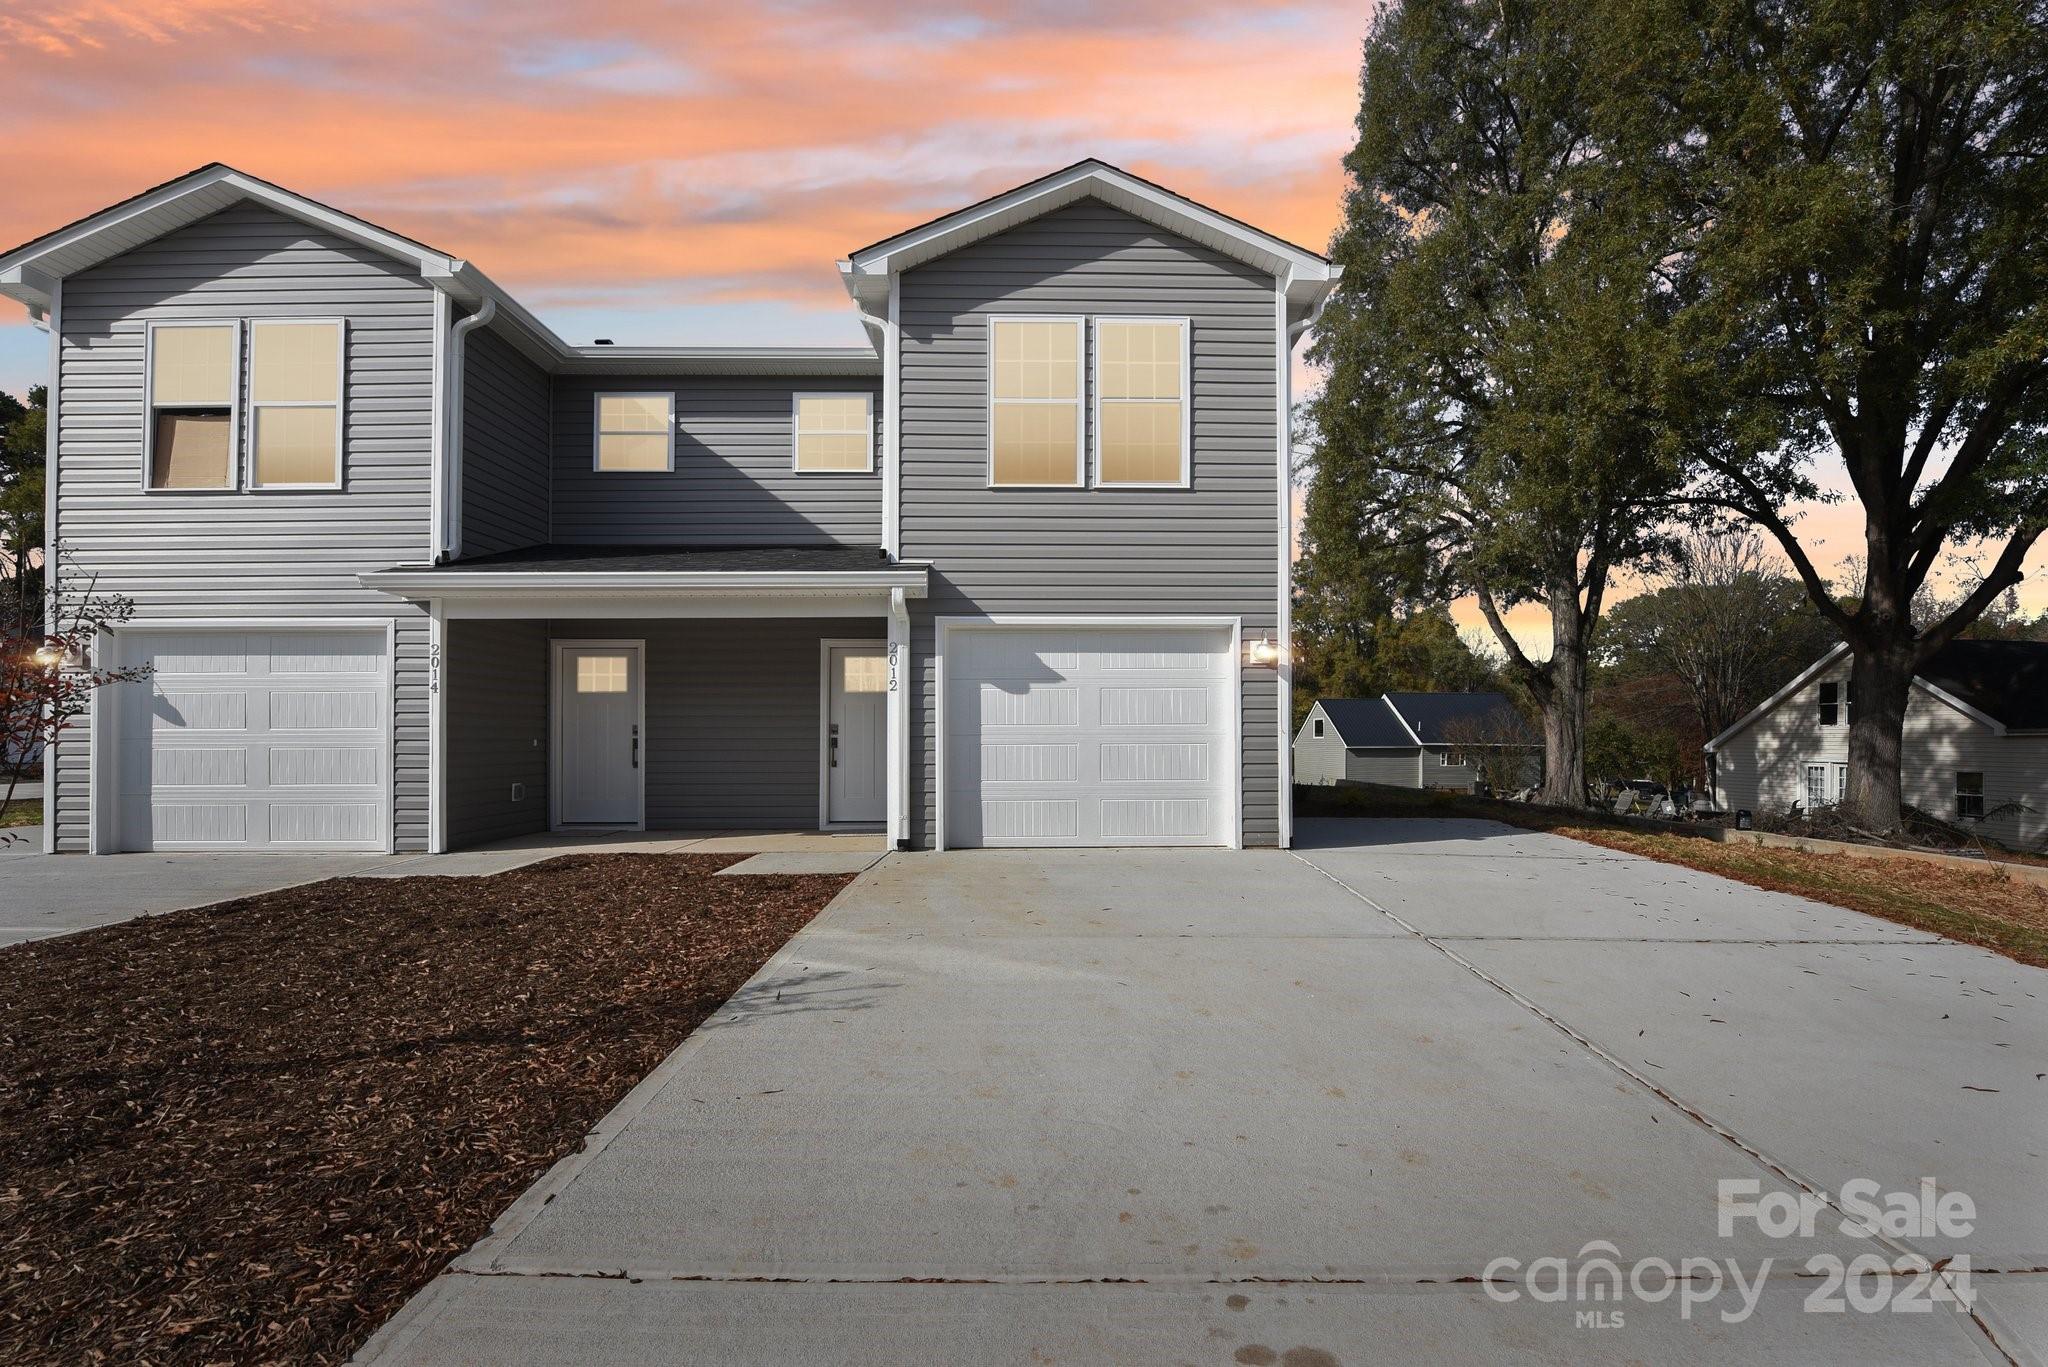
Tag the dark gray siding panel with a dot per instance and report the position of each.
(497, 680)
(732, 716)
(505, 447)
(228, 557)
(733, 484)
(1209, 550)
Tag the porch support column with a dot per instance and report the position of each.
(437, 728)
(898, 725)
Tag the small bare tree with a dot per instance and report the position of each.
(48, 676)
(1499, 747)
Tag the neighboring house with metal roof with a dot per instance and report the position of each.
(1409, 740)
(1975, 746)
(414, 572)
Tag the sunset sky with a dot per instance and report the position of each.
(676, 173)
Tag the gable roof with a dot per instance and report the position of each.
(1366, 723)
(1308, 275)
(1428, 714)
(2003, 684)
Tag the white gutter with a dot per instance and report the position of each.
(451, 443)
(909, 579)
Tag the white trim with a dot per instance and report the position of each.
(826, 645)
(103, 825)
(1187, 402)
(1770, 704)
(942, 627)
(437, 435)
(597, 432)
(52, 476)
(1388, 703)
(911, 579)
(557, 648)
(1998, 727)
(725, 607)
(339, 405)
(437, 727)
(1283, 456)
(892, 423)
(899, 720)
(1080, 399)
(796, 432)
(234, 405)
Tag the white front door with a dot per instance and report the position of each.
(856, 733)
(599, 750)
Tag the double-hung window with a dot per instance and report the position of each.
(1141, 402)
(1830, 704)
(1969, 795)
(835, 433)
(1035, 402)
(635, 432)
(295, 404)
(194, 382)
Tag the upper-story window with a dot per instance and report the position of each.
(1319, 728)
(835, 433)
(295, 386)
(1035, 402)
(193, 380)
(635, 432)
(1836, 700)
(1141, 402)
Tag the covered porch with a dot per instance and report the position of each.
(579, 692)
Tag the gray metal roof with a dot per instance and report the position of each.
(2006, 680)
(1366, 723)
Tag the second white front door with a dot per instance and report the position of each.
(599, 748)
(856, 733)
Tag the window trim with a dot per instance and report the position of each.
(1187, 403)
(149, 405)
(1824, 703)
(1080, 399)
(1982, 797)
(796, 403)
(340, 404)
(1318, 731)
(597, 432)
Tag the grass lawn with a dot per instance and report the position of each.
(249, 1132)
(1978, 906)
(22, 812)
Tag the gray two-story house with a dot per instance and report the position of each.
(412, 572)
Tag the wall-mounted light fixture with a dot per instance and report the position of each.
(50, 654)
(1263, 653)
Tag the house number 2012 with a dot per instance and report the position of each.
(892, 666)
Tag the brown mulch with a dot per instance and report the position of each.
(249, 1132)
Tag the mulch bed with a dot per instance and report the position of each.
(249, 1132)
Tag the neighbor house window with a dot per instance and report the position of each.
(1969, 796)
(835, 432)
(1141, 401)
(636, 432)
(1830, 705)
(193, 372)
(1035, 402)
(1319, 728)
(295, 404)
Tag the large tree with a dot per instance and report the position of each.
(1493, 340)
(1859, 219)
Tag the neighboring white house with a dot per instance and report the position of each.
(1407, 740)
(1976, 741)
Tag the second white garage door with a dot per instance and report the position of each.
(246, 740)
(1090, 736)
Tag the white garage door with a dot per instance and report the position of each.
(1090, 736)
(254, 740)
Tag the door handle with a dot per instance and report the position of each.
(832, 745)
(636, 747)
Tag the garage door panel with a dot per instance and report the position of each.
(1123, 736)
(246, 740)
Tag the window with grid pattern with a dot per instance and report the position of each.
(1141, 401)
(835, 433)
(636, 432)
(1035, 402)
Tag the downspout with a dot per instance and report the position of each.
(451, 444)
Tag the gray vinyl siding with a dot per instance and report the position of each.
(1318, 760)
(496, 675)
(1763, 767)
(228, 557)
(734, 482)
(1437, 774)
(732, 716)
(1393, 768)
(1209, 550)
(505, 446)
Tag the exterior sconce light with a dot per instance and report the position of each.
(50, 654)
(1263, 653)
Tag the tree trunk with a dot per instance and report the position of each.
(1879, 683)
(1564, 710)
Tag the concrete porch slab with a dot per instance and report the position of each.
(516, 853)
(800, 862)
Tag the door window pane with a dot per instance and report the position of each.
(601, 673)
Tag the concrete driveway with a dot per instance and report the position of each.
(1267, 1108)
(53, 894)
